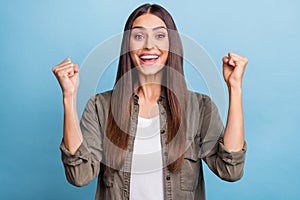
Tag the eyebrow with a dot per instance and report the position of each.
(155, 28)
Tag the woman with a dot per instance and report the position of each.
(117, 138)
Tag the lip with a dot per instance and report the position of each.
(149, 58)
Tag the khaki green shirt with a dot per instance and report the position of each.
(204, 142)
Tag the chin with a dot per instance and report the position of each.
(150, 70)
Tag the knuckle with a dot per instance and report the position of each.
(55, 71)
(67, 60)
(231, 54)
(60, 73)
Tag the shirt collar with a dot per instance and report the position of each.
(161, 97)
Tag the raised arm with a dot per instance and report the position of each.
(68, 78)
(233, 69)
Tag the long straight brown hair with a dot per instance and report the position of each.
(119, 116)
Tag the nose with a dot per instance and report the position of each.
(149, 44)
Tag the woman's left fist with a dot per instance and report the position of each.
(233, 69)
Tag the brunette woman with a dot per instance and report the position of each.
(147, 137)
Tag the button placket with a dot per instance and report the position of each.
(163, 135)
(128, 160)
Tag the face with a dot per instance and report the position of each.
(149, 44)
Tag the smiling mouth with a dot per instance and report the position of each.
(149, 59)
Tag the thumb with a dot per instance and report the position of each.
(76, 68)
(225, 59)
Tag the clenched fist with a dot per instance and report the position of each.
(67, 76)
(233, 69)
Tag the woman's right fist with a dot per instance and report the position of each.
(67, 76)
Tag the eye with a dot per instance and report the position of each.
(138, 36)
(160, 36)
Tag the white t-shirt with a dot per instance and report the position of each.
(146, 180)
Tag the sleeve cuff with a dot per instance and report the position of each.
(81, 155)
(232, 158)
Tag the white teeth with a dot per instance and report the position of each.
(149, 57)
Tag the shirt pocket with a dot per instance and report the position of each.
(190, 171)
(108, 179)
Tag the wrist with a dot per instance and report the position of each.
(235, 90)
(69, 94)
(69, 98)
(235, 87)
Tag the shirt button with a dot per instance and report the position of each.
(168, 178)
(162, 131)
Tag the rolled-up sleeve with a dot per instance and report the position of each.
(227, 165)
(84, 165)
(231, 158)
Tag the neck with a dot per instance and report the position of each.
(149, 93)
(149, 87)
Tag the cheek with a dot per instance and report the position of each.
(134, 48)
(163, 45)
(134, 58)
(165, 56)
(135, 45)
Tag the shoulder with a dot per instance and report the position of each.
(199, 97)
(100, 99)
(99, 105)
(102, 96)
(202, 101)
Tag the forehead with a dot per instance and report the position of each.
(148, 21)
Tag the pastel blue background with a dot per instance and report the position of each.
(36, 35)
